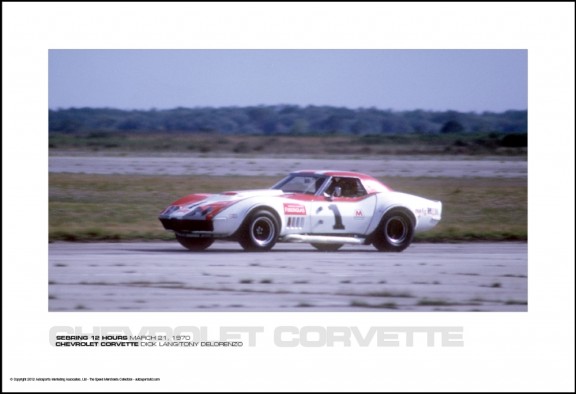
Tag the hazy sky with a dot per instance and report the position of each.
(461, 80)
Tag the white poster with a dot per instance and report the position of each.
(57, 337)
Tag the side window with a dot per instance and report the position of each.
(360, 191)
(350, 187)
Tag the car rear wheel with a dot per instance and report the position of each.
(260, 232)
(327, 247)
(395, 232)
(194, 244)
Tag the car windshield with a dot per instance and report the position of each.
(307, 184)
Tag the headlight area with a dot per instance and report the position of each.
(206, 218)
(170, 210)
(208, 211)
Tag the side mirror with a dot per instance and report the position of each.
(337, 192)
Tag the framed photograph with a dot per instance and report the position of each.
(339, 194)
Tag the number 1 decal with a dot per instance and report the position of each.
(338, 225)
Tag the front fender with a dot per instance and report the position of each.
(236, 215)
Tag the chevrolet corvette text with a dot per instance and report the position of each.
(324, 208)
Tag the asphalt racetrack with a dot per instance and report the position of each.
(164, 277)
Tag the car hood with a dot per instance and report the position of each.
(238, 195)
(229, 196)
(206, 206)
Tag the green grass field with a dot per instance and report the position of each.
(314, 145)
(125, 207)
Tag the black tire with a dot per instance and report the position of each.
(195, 244)
(260, 232)
(395, 233)
(327, 247)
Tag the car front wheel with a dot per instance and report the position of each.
(194, 244)
(395, 233)
(260, 232)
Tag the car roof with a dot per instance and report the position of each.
(370, 183)
(335, 173)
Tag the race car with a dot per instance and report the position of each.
(326, 209)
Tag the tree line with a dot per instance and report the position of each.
(285, 120)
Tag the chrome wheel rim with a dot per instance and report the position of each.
(262, 231)
(396, 230)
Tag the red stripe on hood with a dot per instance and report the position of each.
(191, 198)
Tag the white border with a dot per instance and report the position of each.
(530, 351)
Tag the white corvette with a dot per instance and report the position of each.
(324, 208)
